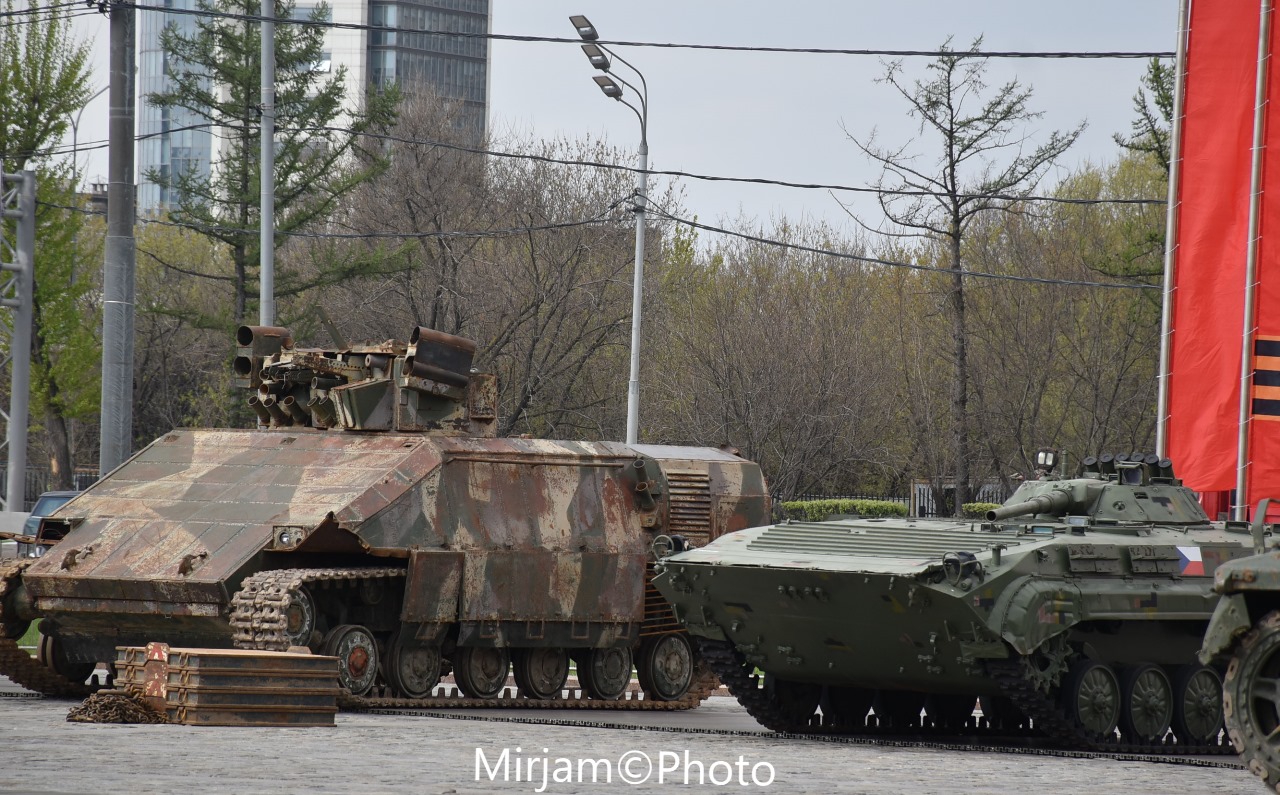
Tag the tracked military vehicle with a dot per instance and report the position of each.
(374, 516)
(1074, 610)
(1245, 635)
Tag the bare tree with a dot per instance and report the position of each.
(530, 257)
(773, 350)
(984, 162)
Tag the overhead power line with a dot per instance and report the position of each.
(20, 12)
(15, 19)
(603, 219)
(892, 264)
(673, 45)
(93, 145)
(381, 235)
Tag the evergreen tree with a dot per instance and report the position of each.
(320, 155)
(1154, 105)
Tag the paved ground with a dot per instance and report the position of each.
(375, 754)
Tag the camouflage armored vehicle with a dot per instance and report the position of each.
(374, 516)
(1078, 605)
(1245, 634)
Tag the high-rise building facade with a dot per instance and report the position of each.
(399, 42)
(171, 140)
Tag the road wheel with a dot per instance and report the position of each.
(541, 673)
(481, 672)
(1147, 704)
(795, 702)
(1197, 704)
(847, 707)
(357, 654)
(665, 669)
(412, 668)
(1091, 697)
(605, 673)
(53, 654)
(300, 618)
(1251, 699)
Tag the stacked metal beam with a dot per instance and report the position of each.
(231, 687)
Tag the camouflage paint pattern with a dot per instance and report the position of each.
(493, 530)
(913, 604)
(381, 455)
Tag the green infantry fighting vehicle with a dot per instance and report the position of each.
(1079, 604)
(1245, 632)
(374, 516)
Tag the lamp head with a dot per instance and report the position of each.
(596, 56)
(586, 31)
(610, 88)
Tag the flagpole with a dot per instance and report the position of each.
(1171, 231)
(1240, 509)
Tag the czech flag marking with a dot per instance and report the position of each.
(1192, 564)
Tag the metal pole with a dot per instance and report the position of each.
(1240, 509)
(116, 437)
(267, 210)
(1171, 232)
(20, 351)
(637, 292)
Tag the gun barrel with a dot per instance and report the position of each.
(1044, 503)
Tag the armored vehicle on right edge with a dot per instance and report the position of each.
(1245, 631)
(1074, 612)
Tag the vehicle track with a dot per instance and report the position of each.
(1052, 727)
(259, 622)
(15, 662)
(1023, 746)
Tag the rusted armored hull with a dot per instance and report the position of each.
(376, 518)
(504, 542)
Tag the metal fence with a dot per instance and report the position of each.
(38, 482)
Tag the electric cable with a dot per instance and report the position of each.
(664, 45)
(893, 264)
(655, 210)
(477, 234)
(94, 145)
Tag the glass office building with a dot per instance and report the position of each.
(396, 42)
(166, 143)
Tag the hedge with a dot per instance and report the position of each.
(820, 510)
(978, 510)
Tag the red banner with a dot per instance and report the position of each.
(1209, 269)
(1264, 422)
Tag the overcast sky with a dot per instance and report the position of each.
(780, 115)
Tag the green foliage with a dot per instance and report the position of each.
(65, 372)
(44, 78)
(31, 639)
(977, 510)
(1154, 105)
(819, 510)
(319, 155)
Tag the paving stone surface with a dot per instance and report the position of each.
(414, 754)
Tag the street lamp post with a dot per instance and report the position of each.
(75, 138)
(75, 173)
(611, 84)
